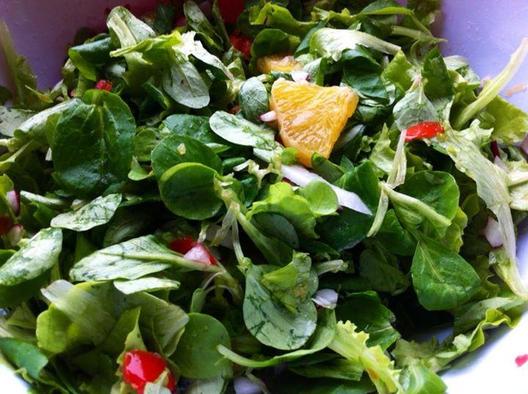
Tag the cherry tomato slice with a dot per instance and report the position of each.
(424, 130)
(231, 9)
(241, 43)
(141, 367)
(104, 84)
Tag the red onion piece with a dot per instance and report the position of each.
(499, 163)
(299, 76)
(15, 234)
(14, 201)
(524, 145)
(301, 177)
(270, 116)
(326, 298)
(492, 233)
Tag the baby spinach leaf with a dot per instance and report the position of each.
(284, 201)
(176, 149)
(394, 237)
(273, 41)
(197, 356)
(269, 321)
(95, 213)
(146, 284)
(104, 127)
(363, 73)
(27, 357)
(253, 98)
(89, 56)
(195, 48)
(442, 279)
(380, 268)
(38, 256)
(321, 198)
(368, 313)
(185, 85)
(131, 260)
(188, 190)
(198, 22)
(196, 127)
(321, 338)
(276, 16)
(438, 84)
(239, 131)
(275, 225)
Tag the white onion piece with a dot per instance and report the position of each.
(246, 386)
(299, 76)
(524, 145)
(302, 177)
(270, 116)
(326, 298)
(14, 201)
(492, 233)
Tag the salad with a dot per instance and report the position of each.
(253, 197)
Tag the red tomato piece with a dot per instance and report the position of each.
(424, 130)
(241, 43)
(104, 84)
(231, 9)
(141, 367)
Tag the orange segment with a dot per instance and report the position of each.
(311, 117)
(279, 63)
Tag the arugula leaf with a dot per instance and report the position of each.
(91, 55)
(442, 279)
(95, 213)
(131, 260)
(272, 323)
(197, 356)
(278, 17)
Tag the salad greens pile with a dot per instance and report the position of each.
(326, 278)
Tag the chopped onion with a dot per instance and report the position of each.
(302, 177)
(299, 76)
(493, 234)
(246, 386)
(326, 298)
(270, 116)
(14, 201)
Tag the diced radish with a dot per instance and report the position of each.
(492, 233)
(299, 76)
(326, 298)
(270, 116)
(14, 201)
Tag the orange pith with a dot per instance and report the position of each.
(311, 117)
(278, 63)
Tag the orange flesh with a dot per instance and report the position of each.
(311, 117)
(278, 63)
